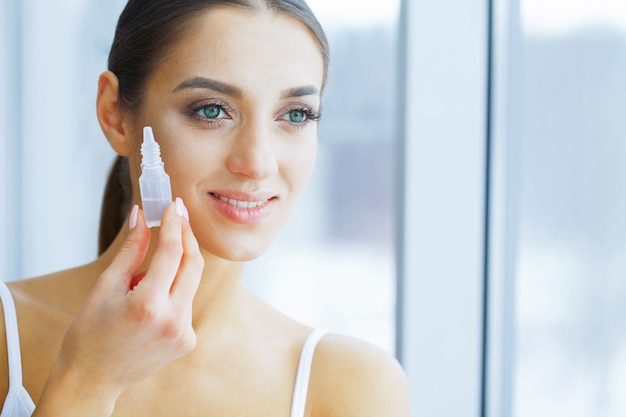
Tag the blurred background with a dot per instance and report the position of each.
(467, 209)
(570, 274)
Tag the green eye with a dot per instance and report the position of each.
(297, 116)
(212, 111)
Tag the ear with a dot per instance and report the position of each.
(110, 116)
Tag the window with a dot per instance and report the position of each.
(567, 231)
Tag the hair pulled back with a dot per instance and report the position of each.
(145, 32)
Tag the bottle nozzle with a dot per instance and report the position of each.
(150, 150)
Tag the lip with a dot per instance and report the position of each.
(242, 207)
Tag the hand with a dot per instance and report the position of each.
(126, 332)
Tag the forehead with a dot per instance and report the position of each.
(246, 48)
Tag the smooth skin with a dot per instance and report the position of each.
(190, 339)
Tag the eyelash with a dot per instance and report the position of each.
(310, 114)
(222, 106)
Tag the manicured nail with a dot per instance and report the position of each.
(181, 209)
(132, 222)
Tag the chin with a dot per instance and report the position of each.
(237, 250)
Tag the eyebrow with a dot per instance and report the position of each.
(209, 84)
(307, 90)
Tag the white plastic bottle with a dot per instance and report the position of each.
(154, 183)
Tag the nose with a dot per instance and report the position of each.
(253, 155)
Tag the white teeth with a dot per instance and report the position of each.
(242, 204)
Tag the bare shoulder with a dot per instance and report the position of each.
(45, 306)
(351, 377)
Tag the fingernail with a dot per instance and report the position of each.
(132, 222)
(181, 209)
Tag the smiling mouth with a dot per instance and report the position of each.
(240, 203)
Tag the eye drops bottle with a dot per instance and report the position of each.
(154, 183)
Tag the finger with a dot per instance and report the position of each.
(190, 271)
(169, 252)
(131, 254)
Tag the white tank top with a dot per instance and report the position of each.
(18, 402)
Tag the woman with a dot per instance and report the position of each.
(160, 324)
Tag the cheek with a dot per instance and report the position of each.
(185, 165)
(300, 163)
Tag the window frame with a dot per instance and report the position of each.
(444, 97)
(504, 228)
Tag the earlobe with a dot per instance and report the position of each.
(110, 116)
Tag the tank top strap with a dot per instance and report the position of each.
(301, 388)
(18, 402)
(12, 337)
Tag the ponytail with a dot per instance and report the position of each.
(115, 203)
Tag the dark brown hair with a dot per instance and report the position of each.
(145, 31)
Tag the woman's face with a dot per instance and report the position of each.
(233, 107)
